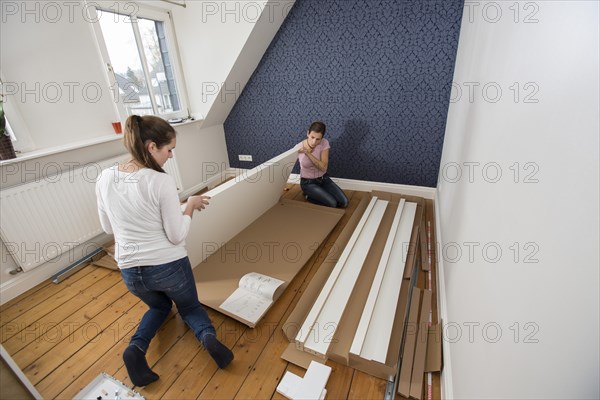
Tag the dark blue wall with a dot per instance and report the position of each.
(377, 72)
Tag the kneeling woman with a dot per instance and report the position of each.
(316, 184)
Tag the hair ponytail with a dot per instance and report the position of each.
(140, 131)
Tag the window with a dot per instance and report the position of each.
(141, 59)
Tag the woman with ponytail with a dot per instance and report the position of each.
(138, 203)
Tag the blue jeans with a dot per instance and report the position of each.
(324, 192)
(159, 286)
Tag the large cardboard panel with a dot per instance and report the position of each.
(409, 344)
(236, 204)
(277, 244)
(433, 360)
(416, 383)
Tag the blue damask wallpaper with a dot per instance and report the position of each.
(377, 72)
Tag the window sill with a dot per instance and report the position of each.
(30, 155)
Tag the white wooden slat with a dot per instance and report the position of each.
(324, 294)
(328, 320)
(365, 319)
(376, 342)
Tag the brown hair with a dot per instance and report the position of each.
(140, 131)
(318, 127)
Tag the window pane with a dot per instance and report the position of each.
(160, 68)
(118, 32)
(125, 60)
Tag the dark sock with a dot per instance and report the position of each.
(137, 367)
(217, 350)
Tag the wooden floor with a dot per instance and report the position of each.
(63, 335)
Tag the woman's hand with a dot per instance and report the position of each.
(196, 203)
(304, 150)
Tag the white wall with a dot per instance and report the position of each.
(213, 39)
(550, 209)
(53, 72)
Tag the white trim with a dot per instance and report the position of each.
(367, 186)
(20, 375)
(60, 149)
(446, 378)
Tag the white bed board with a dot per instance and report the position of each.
(236, 204)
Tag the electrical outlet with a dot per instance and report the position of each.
(243, 157)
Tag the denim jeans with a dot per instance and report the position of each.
(324, 192)
(159, 286)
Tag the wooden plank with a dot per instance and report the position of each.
(46, 338)
(20, 298)
(236, 204)
(416, 384)
(42, 295)
(71, 368)
(366, 387)
(64, 296)
(48, 329)
(168, 355)
(333, 308)
(78, 339)
(201, 369)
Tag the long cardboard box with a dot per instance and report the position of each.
(342, 340)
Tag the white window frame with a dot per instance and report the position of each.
(135, 10)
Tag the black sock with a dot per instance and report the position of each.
(137, 367)
(217, 350)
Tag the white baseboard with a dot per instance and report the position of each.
(446, 378)
(367, 186)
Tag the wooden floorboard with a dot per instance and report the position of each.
(64, 335)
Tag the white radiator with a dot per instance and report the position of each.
(43, 219)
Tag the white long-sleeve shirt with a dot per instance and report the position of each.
(143, 211)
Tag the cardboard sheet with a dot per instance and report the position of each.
(277, 244)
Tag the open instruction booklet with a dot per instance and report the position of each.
(251, 300)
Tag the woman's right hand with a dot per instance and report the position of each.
(196, 203)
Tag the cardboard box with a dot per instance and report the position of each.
(344, 335)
